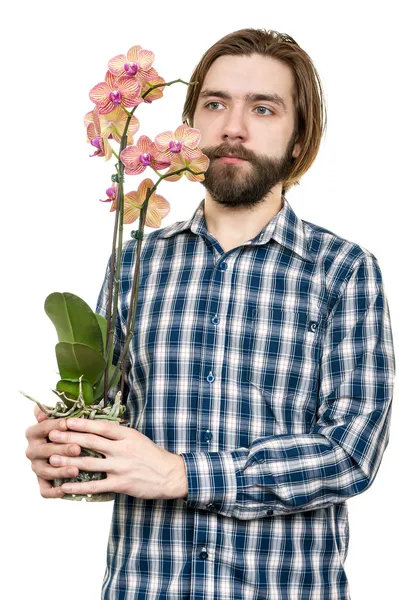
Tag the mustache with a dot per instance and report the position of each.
(223, 150)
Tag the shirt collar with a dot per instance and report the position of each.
(285, 227)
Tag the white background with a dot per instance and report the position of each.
(56, 235)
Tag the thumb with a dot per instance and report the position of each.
(39, 414)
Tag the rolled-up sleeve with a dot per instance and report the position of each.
(341, 454)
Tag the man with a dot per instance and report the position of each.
(264, 353)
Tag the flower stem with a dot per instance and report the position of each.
(112, 307)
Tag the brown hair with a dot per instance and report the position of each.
(308, 96)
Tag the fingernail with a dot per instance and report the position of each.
(56, 460)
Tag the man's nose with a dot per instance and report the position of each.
(234, 125)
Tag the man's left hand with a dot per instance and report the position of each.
(134, 464)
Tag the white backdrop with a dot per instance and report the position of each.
(56, 235)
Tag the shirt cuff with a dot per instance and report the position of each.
(212, 479)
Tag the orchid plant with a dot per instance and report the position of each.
(85, 339)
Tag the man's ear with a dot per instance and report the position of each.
(296, 150)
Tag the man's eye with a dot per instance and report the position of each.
(209, 103)
(265, 107)
(263, 113)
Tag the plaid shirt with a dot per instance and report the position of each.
(270, 369)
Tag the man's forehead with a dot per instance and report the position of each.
(253, 78)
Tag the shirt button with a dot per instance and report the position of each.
(215, 320)
(203, 553)
(210, 506)
(210, 377)
(313, 325)
(223, 266)
(207, 436)
(270, 513)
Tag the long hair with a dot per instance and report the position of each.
(308, 96)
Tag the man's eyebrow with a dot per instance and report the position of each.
(275, 98)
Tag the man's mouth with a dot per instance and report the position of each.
(230, 159)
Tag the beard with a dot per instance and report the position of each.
(243, 185)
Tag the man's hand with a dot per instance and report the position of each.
(39, 451)
(133, 463)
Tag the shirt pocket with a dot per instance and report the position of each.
(285, 351)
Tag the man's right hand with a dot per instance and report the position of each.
(40, 449)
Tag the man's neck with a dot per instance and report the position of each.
(234, 227)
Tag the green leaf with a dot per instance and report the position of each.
(71, 389)
(99, 389)
(102, 322)
(77, 359)
(74, 320)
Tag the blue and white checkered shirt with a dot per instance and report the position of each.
(270, 369)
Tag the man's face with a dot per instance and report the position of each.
(259, 131)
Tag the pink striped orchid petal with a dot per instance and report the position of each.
(99, 94)
(145, 76)
(158, 206)
(145, 59)
(145, 144)
(110, 79)
(130, 213)
(133, 53)
(191, 153)
(177, 164)
(130, 157)
(199, 165)
(191, 137)
(153, 94)
(159, 165)
(130, 90)
(162, 140)
(135, 170)
(116, 65)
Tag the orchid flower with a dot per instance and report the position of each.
(137, 63)
(113, 124)
(114, 91)
(183, 140)
(112, 193)
(198, 164)
(95, 137)
(145, 154)
(158, 207)
(155, 94)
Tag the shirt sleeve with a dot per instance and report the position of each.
(340, 456)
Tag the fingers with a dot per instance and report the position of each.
(45, 450)
(85, 440)
(48, 491)
(47, 472)
(85, 463)
(41, 430)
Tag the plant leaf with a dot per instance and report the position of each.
(77, 359)
(102, 322)
(71, 389)
(74, 320)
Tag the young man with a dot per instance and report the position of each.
(263, 348)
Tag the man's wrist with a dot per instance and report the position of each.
(177, 483)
